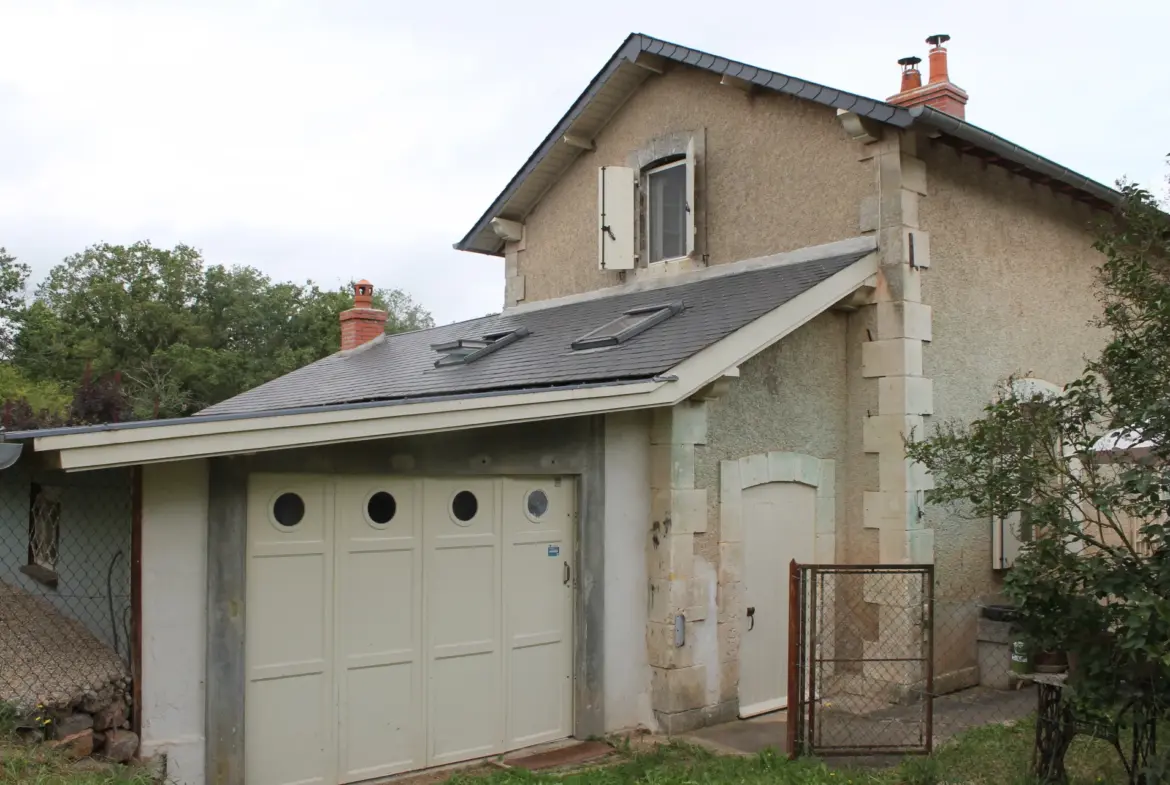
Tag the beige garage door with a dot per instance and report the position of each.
(394, 624)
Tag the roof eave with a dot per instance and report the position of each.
(1009, 151)
(201, 437)
(482, 239)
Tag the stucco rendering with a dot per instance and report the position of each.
(779, 174)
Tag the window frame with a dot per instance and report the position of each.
(672, 162)
(40, 569)
(600, 338)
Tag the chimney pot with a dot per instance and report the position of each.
(940, 92)
(911, 76)
(362, 323)
(938, 58)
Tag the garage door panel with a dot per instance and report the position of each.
(464, 684)
(539, 515)
(462, 605)
(289, 730)
(535, 582)
(287, 610)
(379, 607)
(291, 742)
(465, 707)
(537, 707)
(382, 732)
(378, 610)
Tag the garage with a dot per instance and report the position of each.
(396, 623)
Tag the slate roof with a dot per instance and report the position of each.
(402, 366)
(614, 83)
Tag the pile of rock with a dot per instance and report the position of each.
(105, 733)
(73, 689)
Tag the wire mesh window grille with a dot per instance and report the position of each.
(65, 591)
(44, 530)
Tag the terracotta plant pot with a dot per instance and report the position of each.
(1050, 662)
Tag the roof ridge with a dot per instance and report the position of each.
(511, 202)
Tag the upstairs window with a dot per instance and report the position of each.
(666, 211)
(646, 214)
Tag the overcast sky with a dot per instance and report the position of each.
(338, 139)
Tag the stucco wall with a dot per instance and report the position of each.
(779, 174)
(174, 616)
(627, 511)
(93, 560)
(791, 397)
(1012, 287)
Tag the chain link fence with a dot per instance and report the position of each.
(66, 622)
(898, 659)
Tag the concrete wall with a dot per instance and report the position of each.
(778, 174)
(1011, 285)
(93, 561)
(627, 513)
(174, 616)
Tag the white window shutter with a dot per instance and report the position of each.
(615, 218)
(690, 228)
(1005, 541)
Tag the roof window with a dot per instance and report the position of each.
(464, 351)
(633, 322)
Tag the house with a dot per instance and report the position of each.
(730, 293)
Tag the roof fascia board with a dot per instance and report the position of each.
(196, 428)
(213, 444)
(978, 137)
(629, 50)
(699, 370)
(691, 375)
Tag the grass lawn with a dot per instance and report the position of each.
(993, 755)
(40, 766)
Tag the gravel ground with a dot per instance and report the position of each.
(50, 659)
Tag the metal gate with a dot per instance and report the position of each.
(860, 659)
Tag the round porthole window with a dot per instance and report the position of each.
(536, 505)
(381, 507)
(464, 507)
(288, 510)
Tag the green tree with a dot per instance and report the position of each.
(182, 334)
(13, 277)
(1093, 576)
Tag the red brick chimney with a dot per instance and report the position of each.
(939, 92)
(362, 323)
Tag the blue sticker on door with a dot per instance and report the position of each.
(554, 550)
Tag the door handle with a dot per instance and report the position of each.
(568, 573)
(751, 614)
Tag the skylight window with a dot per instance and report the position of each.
(633, 322)
(464, 351)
